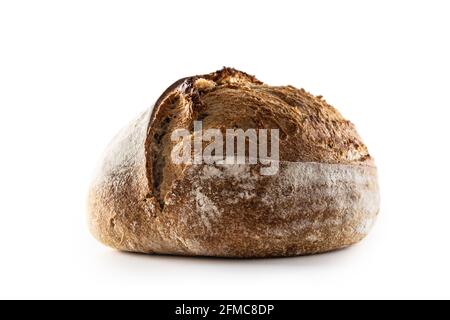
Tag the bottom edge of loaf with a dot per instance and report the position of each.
(234, 212)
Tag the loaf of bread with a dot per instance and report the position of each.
(322, 194)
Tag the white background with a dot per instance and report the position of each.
(72, 73)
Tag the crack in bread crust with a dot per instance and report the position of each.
(184, 94)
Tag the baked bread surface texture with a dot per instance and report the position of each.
(324, 196)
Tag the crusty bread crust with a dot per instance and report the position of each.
(324, 197)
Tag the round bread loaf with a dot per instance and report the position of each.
(323, 196)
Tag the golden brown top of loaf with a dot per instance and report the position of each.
(310, 129)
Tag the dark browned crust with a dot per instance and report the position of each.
(311, 129)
